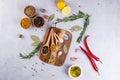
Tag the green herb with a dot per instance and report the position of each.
(65, 49)
(52, 16)
(75, 17)
(35, 43)
(35, 39)
(72, 17)
(86, 23)
(75, 28)
(30, 54)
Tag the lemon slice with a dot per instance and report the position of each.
(66, 10)
(61, 4)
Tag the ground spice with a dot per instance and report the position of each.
(53, 48)
(26, 23)
(30, 11)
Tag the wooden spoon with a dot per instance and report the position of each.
(45, 49)
(58, 38)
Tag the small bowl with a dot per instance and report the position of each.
(30, 11)
(76, 73)
(38, 21)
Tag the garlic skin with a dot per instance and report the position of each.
(61, 40)
(59, 53)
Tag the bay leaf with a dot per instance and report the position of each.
(35, 38)
(65, 49)
(75, 28)
(35, 43)
(52, 16)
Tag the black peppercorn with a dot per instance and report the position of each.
(38, 21)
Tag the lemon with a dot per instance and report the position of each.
(61, 4)
(66, 10)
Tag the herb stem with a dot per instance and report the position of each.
(72, 17)
(86, 23)
(31, 54)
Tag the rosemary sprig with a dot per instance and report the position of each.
(75, 17)
(31, 54)
(86, 23)
(72, 17)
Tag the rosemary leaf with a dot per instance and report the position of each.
(31, 54)
(72, 17)
(86, 23)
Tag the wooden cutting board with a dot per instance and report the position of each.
(58, 44)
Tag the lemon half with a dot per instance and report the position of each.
(66, 10)
(61, 4)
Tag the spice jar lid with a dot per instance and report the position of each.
(38, 21)
(30, 11)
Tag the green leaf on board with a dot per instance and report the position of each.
(65, 49)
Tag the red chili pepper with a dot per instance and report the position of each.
(91, 60)
(89, 51)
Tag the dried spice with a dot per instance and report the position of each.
(52, 16)
(65, 49)
(46, 16)
(73, 58)
(77, 49)
(45, 50)
(26, 23)
(21, 36)
(35, 39)
(75, 28)
(30, 11)
(43, 10)
(53, 48)
(38, 21)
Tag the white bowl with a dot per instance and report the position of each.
(71, 75)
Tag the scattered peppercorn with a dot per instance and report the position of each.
(43, 64)
(25, 67)
(41, 69)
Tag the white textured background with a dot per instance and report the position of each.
(104, 30)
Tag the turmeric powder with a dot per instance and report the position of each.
(26, 23)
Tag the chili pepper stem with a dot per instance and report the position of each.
(98, 73)
(100, 61)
